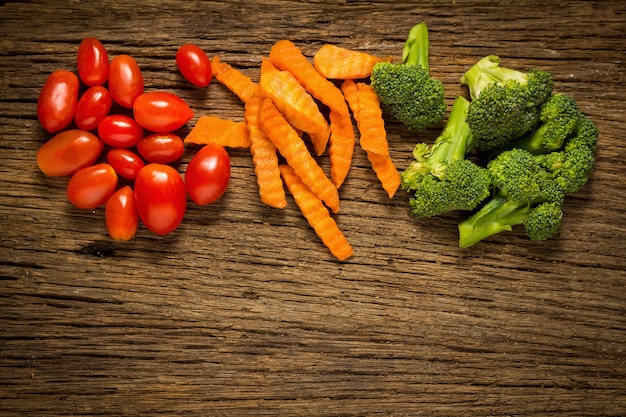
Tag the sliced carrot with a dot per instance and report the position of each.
(296, 105)
(235, 80)
(224, 132)
(266, 65)
(386, 172)
(294, 150)
(370, 121)
(341, 147)
(288, 57)
(335, 62)
(382, 164)
(316, 214)
(264, 158)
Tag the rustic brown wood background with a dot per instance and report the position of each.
(242, 311)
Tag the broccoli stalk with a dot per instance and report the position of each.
(525, 193)
(406, 90)
(440, 178)
(505, 102)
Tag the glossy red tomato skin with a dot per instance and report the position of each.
(91, 187)
(57, 100)
(68, 151)
(162, 148)
(208, 174)
(161, 111)
(120, 131)
(161, 198)
(194, 64)
(120, 214)
(125, 162)
(125, 80)
(92, 62)
(93, 106)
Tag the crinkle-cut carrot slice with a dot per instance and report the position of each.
(288, 57)
(339, 63)
(386, 172)
(233, 79)
(295, 151)
(341, 147)
(351, 93)
(295, 103)
(264, 158)
(370, 121)
(224, 132)
(316, 214)
(266, 65)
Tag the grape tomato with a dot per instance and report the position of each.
(125, 80)
(194, 64)
(160, 197)
(120, 214)
(93, 106)
(68, 151)
(161, 111)
(91, 187)
(92, 62)
(57, 100)
(120, 131)
(208, 174)
(162, 148)
(125, 162)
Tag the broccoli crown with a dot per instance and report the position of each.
(505, 102)
(521, 186)
(406, 90)
(559, 118)
(572, 166)
(440, 178)
(543, 221)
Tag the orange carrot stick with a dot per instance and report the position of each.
(296, 105)
(351, 93)
(233, 79)
(293, 148)
(224, 132)
(386, 172)
(266, 65)
(335, 62)
(288, 57)
(316, 214)
(370, 121)
(341, 147)
(264, 158)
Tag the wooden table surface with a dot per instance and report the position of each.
(242, 310)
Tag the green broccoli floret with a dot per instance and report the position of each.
(525, 193)
(559, 118)
(505, 102)
(406, 90)
(440, 178)
(572, 165)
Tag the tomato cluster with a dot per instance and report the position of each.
(117, 143)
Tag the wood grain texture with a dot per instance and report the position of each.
(242, 311)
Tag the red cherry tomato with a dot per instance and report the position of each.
(120, 214)
(68, 151)
(92, 62)
(208, 174)
(162, 148)
(92, 186)
(125, 80)
(194, 64)
(161, 198)
(93, 106)
(126, 163)
(119, 131)
(161, 111)
(57, 100)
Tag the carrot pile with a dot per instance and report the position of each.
(296, 112)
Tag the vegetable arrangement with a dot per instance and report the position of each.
(509, 154)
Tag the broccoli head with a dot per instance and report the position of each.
(406, 90)
(441, 179)
(524, 194)
(505, 102)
